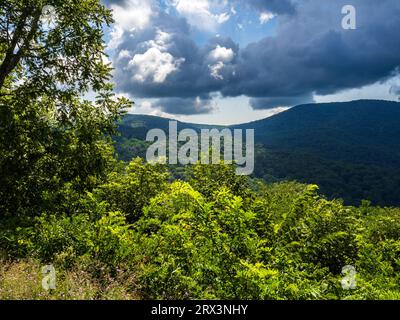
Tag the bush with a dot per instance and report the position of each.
(183, 240)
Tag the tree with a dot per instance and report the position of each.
(129, 191)
(51, 56)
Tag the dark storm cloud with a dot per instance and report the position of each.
(185, 106)
(274, 6)
(395, 89)
(310, 53)
(273, 102)
(118, 2)
(194, 76)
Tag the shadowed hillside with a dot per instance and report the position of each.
(351, 149)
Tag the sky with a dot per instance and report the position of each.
(232, 61)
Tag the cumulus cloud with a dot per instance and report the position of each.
(275, 6)
(223, 17)
(265, 17)
(308, 54)
(222, 54)
(311, 53)
(154, 65)
(199, 14)
(185, 106)
(215, 70)
(124, 54)
(190, 73)
(148, 107)
(132, 14)
(129, 15)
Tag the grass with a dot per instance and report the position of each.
(22, 280)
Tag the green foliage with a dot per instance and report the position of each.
(64, 239)
(277, 241)
(194, 247)
(132, 189)
(128, 230)
(210, 178)
(350, 150)
(50, 135)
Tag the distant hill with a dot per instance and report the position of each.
(133, 130)
(137, 126)
(351, 150)
(364, 131)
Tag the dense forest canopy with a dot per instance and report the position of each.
(351, 150)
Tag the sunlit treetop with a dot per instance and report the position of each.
(54, 48)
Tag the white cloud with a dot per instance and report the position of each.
(223, 17)
(222, 54)
(198, 13)
(115, 37)
(160, 41)
(154, 65)
(265, 17)
(124, 54)
(219, 56)
(215, 70)
(149, 107)
(134, 14)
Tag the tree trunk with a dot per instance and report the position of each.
(12, 59)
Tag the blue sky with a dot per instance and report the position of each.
(231, 61)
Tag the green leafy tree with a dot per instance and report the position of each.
(209, 178)
(51, 56)
(130, 190)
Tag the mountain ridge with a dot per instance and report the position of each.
(348, 148)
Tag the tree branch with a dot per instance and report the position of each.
(12, 59)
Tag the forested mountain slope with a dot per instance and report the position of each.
(351, 150)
